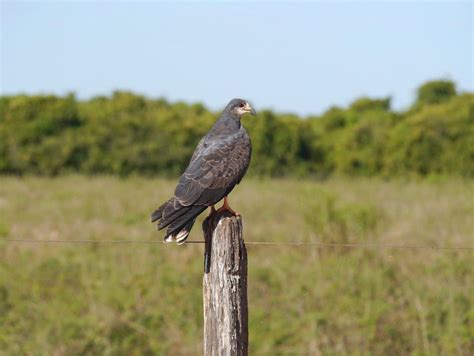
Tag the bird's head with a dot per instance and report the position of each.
(239, 107)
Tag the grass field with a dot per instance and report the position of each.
(134, 299)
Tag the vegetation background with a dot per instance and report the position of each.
(129, 134)
(146, 299)
(362, 174)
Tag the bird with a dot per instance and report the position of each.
(217, 165)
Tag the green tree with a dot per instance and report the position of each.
(127, 133)
(435, 92)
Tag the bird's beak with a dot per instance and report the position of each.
(250, 109)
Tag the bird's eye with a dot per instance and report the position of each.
(241, 105)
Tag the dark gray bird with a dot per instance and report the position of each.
(218, 164)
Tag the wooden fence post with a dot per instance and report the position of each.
(225, 287)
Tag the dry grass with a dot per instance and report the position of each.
(64, 299)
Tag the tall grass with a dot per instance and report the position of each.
(134, 299)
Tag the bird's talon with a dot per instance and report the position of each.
(226, 207)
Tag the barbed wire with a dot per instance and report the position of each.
(267, 243)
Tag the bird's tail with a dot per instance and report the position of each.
(178, 218)
(181, 234)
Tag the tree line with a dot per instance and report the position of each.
(127, 134)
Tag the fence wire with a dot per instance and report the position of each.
(265, 243)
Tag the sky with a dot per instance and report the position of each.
(286, 56)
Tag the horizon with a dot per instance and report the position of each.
(173, 102)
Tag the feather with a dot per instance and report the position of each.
(191, 213)
(180, 234)
(156, 215)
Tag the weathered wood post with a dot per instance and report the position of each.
(225, 287)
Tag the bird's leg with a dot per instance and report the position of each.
(226, 207)
(213, 210)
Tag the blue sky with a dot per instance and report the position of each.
(302, 57)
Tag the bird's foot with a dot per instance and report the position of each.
(226, 207)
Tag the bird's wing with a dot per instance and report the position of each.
(199, 148)
(214, 169)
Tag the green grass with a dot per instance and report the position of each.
(134, 299)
